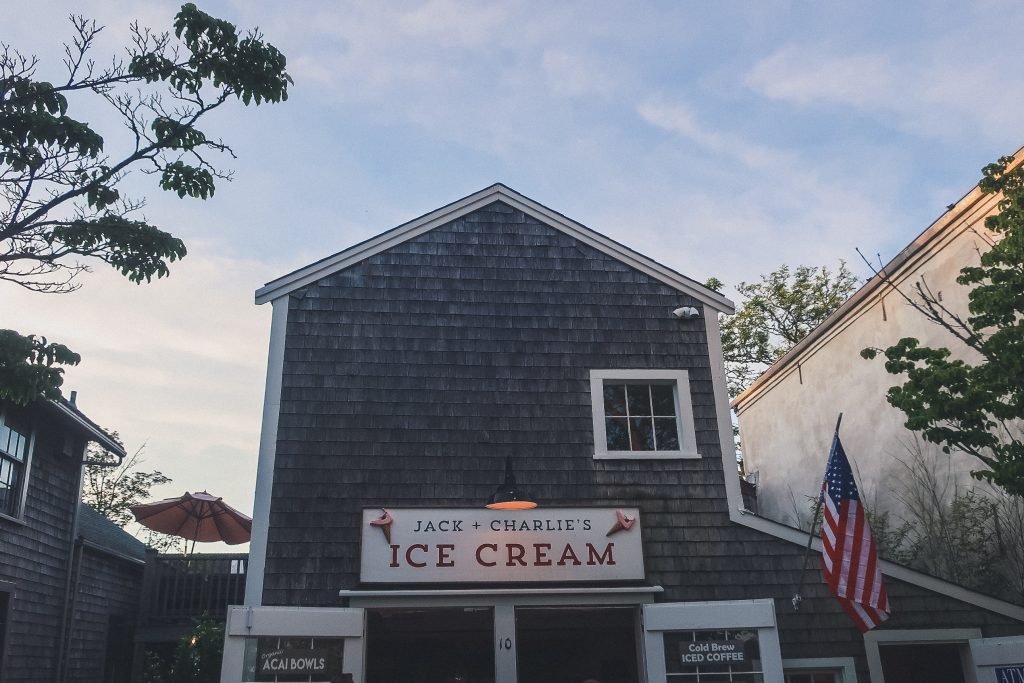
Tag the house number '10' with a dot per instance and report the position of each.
(504, 643)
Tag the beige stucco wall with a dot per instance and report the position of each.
(786, 425)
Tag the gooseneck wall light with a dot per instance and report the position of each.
(509, 496)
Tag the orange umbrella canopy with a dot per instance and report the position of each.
(196, 517)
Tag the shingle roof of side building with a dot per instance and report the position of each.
(101, 532)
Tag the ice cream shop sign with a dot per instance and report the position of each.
(403, 545)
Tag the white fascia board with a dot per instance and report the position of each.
(334, 622)
(724, 614)
(897, 571)
(344, 259)
(267, 455)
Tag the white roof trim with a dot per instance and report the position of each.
(461, 592)
(97, 434)
(911, 576)
(343, 259)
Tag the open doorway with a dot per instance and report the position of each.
(576, 644)
(430, 645)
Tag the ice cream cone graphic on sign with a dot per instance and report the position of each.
(622, 523)
(384, 524)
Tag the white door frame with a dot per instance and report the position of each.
(504, 603)
(938, 636)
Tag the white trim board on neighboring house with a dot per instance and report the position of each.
(897, 571)
(478, 200)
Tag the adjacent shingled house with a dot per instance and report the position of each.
(496, 352)
(107, 582)
(52, 584)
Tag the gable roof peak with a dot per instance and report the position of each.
(286, 284)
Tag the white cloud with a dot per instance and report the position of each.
(933, 91)
(805, 77)
(178, 364)
(823, 207)
(573, 75)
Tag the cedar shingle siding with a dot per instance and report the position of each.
(410, 376)
(34, 556)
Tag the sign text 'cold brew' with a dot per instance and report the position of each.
(404, 545)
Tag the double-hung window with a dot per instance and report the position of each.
(15, 445)
(642, 414)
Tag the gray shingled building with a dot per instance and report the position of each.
(407, 372)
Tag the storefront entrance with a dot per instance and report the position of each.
(431, 645)
(544, 635)
(458, 644)
(575, 644)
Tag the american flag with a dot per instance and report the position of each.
(849, 557)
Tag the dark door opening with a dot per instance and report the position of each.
(922, 663)
(576, 644)
(443, 645)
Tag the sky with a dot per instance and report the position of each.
(722, 139)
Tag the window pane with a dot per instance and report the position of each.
(18, 450)
(5, 437)
(641, 434)
(615, 399)
(639, 396)
(664, 399)
(666, 434)
(617, 433)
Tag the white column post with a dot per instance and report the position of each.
(505, 648)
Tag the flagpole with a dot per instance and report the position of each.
(810, 536)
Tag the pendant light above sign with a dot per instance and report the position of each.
(508, 496)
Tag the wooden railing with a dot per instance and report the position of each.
(181, 588)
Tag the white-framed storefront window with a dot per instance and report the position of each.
(271, 644)
(728, 641)
(820, 670)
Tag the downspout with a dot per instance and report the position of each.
(65, 614)
(74, 560)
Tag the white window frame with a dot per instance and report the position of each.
(301, 622)
(684, 413)
(756, 615)
(954, 636)
(26, 468)
(845, 668)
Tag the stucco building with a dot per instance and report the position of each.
(786, 417)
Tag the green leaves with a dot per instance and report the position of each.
(29, 367)
(33, 120)
(187, 180)
(135, 248)
(973, 402)
(64, 204)
(250, 68)
(777, 313)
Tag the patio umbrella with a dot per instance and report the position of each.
(195, 517)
